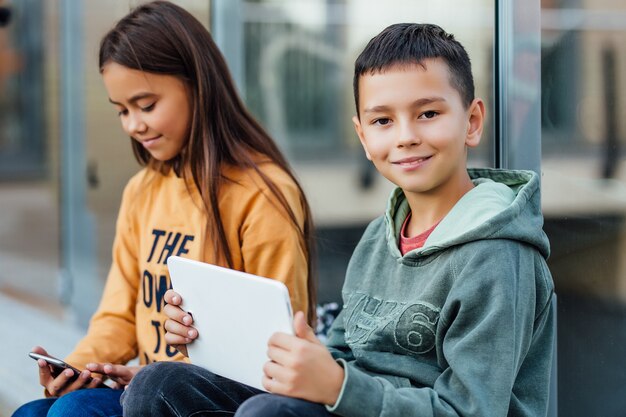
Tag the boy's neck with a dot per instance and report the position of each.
(429, 208)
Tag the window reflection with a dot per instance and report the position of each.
(22, 127)
(584, 193)
(298, 59)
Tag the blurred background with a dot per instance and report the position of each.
(552, 72)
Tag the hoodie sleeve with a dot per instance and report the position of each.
(492, 320)
(336, 342)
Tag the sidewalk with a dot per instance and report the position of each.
(24, 326)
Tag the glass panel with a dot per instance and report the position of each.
(29, 228)
(518, 85)
(297, 60)
(64, 159)
(58, 198)
(299, 57)
(22, 127)
(584, 197)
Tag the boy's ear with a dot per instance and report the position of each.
(359, 132)
(475, 123)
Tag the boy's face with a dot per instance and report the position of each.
(414, 127)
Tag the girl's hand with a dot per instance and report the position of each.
(65, 381)
(301, 366)
(121, 375)
(178, 329)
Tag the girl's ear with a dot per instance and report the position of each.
(475, 123)
(359, 132)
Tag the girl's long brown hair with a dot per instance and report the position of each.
(162, 38)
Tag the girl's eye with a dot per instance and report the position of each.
(148, 108)
(428, 114)
(382, 121)
(122, 112)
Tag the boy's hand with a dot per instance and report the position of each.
(178, 329)
(120, 374)
(63, 383)
(301, 366)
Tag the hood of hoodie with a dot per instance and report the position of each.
(504, 204)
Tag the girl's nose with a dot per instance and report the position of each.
(135, 125)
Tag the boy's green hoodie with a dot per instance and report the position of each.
(460, 327)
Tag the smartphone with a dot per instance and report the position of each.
(57, 365)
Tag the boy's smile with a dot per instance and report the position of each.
(415, 128)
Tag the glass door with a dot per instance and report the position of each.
(583, 102)
(294, 60)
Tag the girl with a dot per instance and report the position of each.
(214, 187)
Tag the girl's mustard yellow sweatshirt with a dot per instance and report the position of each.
(162, 215)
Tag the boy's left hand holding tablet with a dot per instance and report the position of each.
(301, 366)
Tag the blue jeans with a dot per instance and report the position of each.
(180, 389)
(96, 402)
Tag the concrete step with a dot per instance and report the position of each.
(23, 327)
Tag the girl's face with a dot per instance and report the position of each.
(154, 109)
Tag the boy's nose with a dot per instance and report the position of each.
(408, 135)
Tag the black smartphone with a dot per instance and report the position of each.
(57, 365)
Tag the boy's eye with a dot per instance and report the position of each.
(382, 121)
(428, 114)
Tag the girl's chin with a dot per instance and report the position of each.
(162, 157)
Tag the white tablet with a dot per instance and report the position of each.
(235, 314)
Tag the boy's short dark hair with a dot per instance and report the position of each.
(412, 43)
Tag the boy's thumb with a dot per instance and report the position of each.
(302, 329)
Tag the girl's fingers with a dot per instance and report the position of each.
(83, 380)
(173, 298)
(121, 372)
(45, 375)
(95, 367)
(176, 340)
(178, 314)
(61, 383)
(40, 350)
(181, 330)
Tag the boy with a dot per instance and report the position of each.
(447, 296)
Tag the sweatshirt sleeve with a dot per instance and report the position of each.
(111, 336)
(491, 317)
(271, 244)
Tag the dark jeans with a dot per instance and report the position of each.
(97, 402)
(180, 389)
